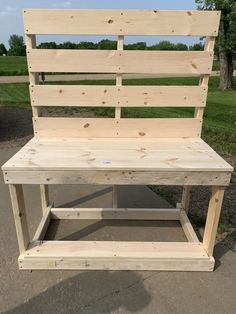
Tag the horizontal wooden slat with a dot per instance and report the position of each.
(109, 127)
(121, 22)
(113, 61)
(119, 248)
(168, 177)
(123, 96)
(77, 263)
(118, 213)
(116, 256)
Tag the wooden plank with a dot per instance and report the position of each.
(149, 154)
(43, 226)
(121, 249)
(118, 213)
(44, 194)
(116, 255)
(186, 194)
(187, 227)
(204, 79)
(213, 217)
(113, 61)
(109, 127)
(121, 22)
(122, 96)
(115, 196)
(120, 47)
(158, 264)
(33, 77)
(117, 177)
(18, 206)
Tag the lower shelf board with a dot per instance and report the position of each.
(116, 255)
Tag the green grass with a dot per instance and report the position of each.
(15, 95)
(18, 66)
(216, 65)
(219, 127)
(13, 66)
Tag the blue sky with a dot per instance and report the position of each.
(11, 16)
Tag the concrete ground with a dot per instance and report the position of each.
(79, 77)
(105, 291)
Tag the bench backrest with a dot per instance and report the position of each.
(120, 23)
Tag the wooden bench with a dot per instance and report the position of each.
(118, 151)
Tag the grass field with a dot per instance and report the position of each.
(13, 66)
(18, 66)
(219, 128)
(216, 65)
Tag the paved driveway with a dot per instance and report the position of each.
(80, 77)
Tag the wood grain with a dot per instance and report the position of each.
(114, 96)
(114, 61)
(121, 22)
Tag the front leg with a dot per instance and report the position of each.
(18, 206)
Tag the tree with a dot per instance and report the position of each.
(107, 44)
(86, 45)
(17, 46)
(136, 46)
(181, 47)
(3, 50)
(226, 42)
(165, 45)
(48, 45)
(67, 45)
(197, 47)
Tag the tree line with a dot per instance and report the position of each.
(226, 40)
(18, 48)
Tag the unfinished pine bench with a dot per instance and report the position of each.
(118, 151)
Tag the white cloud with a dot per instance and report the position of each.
(9, 11)
(67, 3)
(64, 4)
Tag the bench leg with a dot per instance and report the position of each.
(186, 197)
(115, 196)
(212, 220)
(18, 206)
(44, 193)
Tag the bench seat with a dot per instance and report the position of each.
(172, 154)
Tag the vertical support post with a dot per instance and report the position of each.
(115, 196)
(18, 206)
(204, 79)
(34, 79)
(33, 76)
(186, 194)
(199, 111)
(120, 47)
(44, 193)
(213, 217)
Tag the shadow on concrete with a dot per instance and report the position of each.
(116, 224)
(91, 292)
(86, 198)
(222, 247)
(114, 230)
(17, 120)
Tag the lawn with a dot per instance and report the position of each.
(219, 128)
(18, 66)
(13, 66)
(216, 65)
